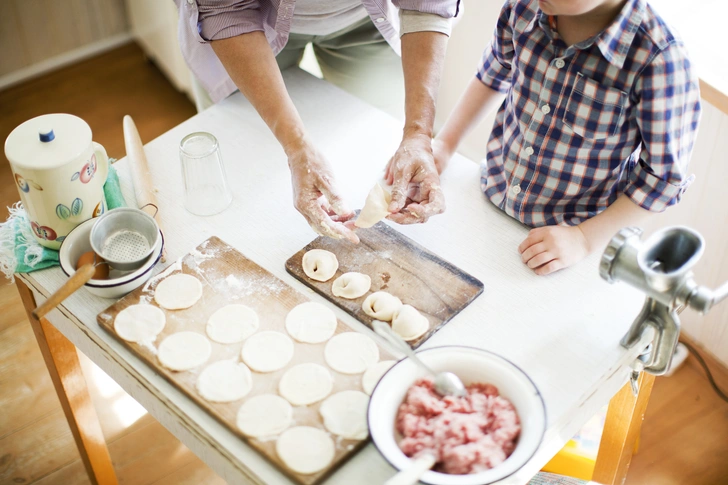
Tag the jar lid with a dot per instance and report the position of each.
(47, 141)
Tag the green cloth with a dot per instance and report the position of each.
(20, 252)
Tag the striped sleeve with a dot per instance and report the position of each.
(495, 68)
(668, 114)
(444, 8)
(222, 19)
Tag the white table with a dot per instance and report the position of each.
(563, 330)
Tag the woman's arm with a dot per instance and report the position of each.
(250, 62)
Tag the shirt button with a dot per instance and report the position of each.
(516, 189)
(529, 151)
(190, 1)
(560, 63)
(380, 20)
(545, 109)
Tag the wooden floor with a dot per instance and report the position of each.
(685, 434)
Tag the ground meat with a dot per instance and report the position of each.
(466, 434)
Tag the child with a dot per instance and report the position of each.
(599, 108)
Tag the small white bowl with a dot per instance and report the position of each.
(78, 242)
(471, 365)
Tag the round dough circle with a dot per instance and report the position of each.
(345, 414)
(351, 353)
(311, 323)
(409, 323)
(184, 351)
(178, 292)
(305, 450)
(381, 305)
(376, 207)
(372, 375)
(232, 324)
(267, 351)
(319, 264)
(351, 285)
(306, 384)
(264, 415)
(224, 381)
(139, 323)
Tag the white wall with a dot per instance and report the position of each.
(39, 36)
(154, 26)
(704, 207)
(470, 36)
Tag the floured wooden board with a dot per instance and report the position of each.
(229, 277)
(400, 266)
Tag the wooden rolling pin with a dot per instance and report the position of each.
(140, 174)
(79, 278)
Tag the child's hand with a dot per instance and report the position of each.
(442, 153)
(551, 248)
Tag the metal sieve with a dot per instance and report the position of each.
(125, 238)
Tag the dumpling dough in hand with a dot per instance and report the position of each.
(409, 323)
(319, 264)
(351, 285)
(381, 305)
(376, 207)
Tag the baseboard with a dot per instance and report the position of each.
(64, 59)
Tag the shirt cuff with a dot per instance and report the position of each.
(492, 73)
(413, 21)
(653, 193)
(216, 23)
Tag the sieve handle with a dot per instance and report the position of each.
(79, 278)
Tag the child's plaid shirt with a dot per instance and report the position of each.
(581, 125)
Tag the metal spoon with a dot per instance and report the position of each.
(446, 383)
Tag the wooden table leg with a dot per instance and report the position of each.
(621, 429)
(62, 361)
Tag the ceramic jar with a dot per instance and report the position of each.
(59, 172)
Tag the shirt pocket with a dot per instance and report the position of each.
(593, 111)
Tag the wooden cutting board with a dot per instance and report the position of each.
(400, 266)
(229, 277)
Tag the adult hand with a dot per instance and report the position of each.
(551, 248)
(416, 191)
(315, 194)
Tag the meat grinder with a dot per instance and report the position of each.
(660, 267)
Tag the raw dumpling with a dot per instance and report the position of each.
(305, 449)
(264, 415)
(345, 414)
(139, 323)
(351, 285)
(381, 305)
(319, 264)
(184, 351)
(351, 353)
(376, 207)
(409, 324)
(224, 381)
(178, 292)
(306, 384)
(232, 323)
(311, 323)
(267, 351)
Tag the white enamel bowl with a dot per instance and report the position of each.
(471, 365)
(78, 242)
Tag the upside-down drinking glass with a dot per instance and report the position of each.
(203, 173)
